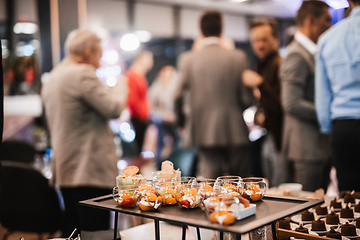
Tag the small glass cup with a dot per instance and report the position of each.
(228, 185)
(160, 178)
(166, 191)
(217, 209)
(149, 199)
(125, 197)
(130, 182)
(207, 188)
(253, 188)
(182, 184)
(228, 178)
(190, 195)
(147, 186)
(223, 180)
(184, 180)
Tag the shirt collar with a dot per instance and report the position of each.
(355, 11)
(211, 40)
(309, 45)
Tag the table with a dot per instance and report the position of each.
(268, 211)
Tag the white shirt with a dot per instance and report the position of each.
(309, 45)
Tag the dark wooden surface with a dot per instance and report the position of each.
(268, 210)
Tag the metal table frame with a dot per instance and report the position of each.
(282, 207)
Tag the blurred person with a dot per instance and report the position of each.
(306, 151)
(264, 37)
(183, 112)
(212, 76)
(200, 42)
(337, 95)
(138, 104)
(161, 95)
(78, 109)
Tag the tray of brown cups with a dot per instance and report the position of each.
(339, 220)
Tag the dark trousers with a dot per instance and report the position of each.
(346, 146)
(140, 127)
(219, 161)
(312, 175)
(165, 129)
(81, 217)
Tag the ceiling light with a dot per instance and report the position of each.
(338, 4)
(129, 42)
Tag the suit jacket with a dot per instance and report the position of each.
(302, 139)
(78, 108)
(213, 76)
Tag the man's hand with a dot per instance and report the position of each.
(251, 79)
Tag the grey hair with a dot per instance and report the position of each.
(79, 40)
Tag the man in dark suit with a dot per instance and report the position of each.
(265, 82)
(305, 150)
(213, 75)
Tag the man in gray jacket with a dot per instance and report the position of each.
(305, 150)
(78, 109)
(213, 75)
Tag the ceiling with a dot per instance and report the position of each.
(274, 8)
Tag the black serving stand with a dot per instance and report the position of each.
(268, 211)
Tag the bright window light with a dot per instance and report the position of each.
(249, 115)
(5, 51)
(129, 42)
(111, 81)
(338, 4)
(28, 50)
(109, 71)
(102, 33)
(125, 127)
(148, 154)
(35, 43)
(100, 72)
(144, 36)
(121, 164)
(129, 136)
(110, 56)
(25, 28)
(117, 70)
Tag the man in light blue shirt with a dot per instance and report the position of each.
(337, 95)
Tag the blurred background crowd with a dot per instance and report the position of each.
(92, 86)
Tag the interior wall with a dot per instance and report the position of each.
(189, 23)
(156, 19)
(236, 28)
(3, 15)
(112, 15)
(68, 20)
(25, 10)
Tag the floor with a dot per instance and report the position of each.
(26, 235)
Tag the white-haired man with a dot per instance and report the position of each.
(78, 108)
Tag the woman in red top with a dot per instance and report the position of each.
(137, 101)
